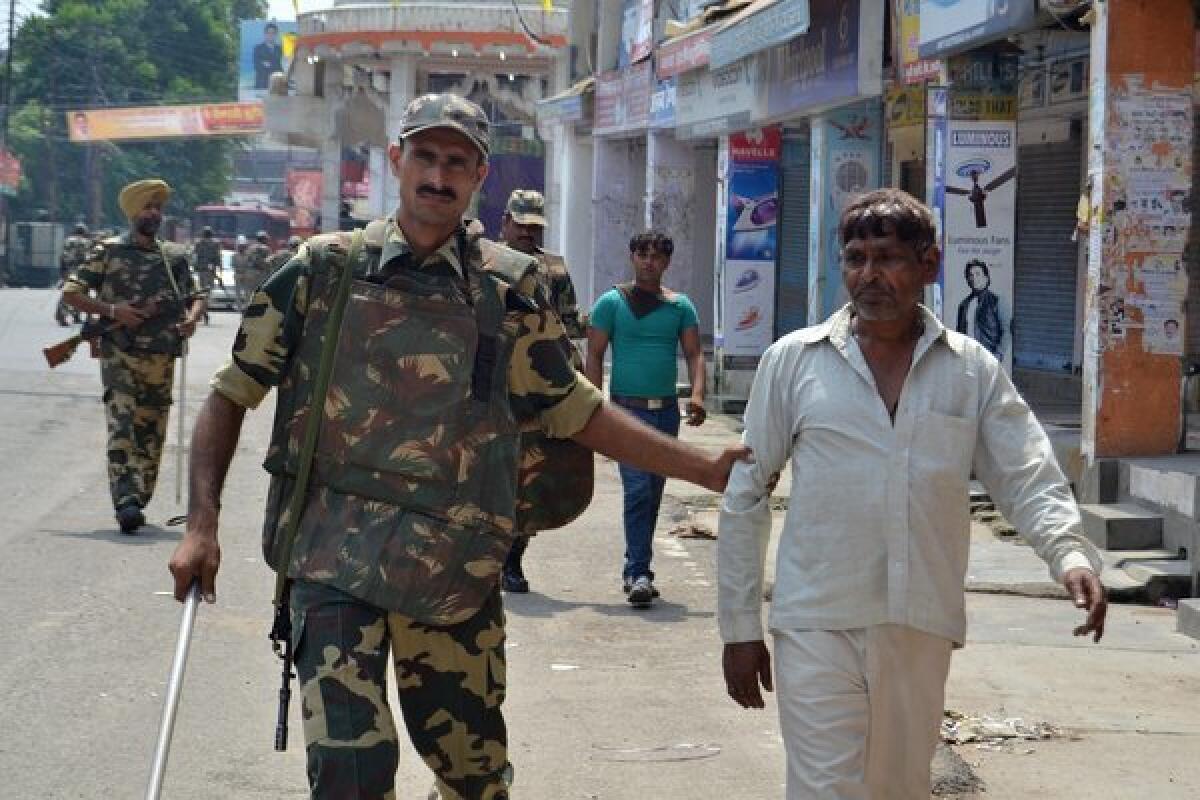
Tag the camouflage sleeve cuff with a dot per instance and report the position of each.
(571, 414)
(238, 387)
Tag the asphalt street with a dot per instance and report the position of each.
(604, 702)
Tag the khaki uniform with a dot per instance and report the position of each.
(413, 503)
(207, 257)
(137, 367)
(74, 254)
(560, 291)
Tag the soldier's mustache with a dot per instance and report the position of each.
(426, 191)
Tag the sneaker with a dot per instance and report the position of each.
(627, 585)
(514, 581)
(130, 518)
(641, 592)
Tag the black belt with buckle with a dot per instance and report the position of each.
(646, 403)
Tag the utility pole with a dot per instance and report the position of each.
(4, 205)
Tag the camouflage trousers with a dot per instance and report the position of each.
(449, 680)
(137, 399)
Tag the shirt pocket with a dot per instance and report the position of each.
(943, 447)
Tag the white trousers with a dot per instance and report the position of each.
(860, 711)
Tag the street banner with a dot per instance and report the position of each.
(164, 122)
(980, 208)
(10, 173)
(266, 47)
(751, 227)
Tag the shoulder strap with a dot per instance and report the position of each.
(308, 446)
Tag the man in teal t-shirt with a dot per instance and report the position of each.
(645, 322)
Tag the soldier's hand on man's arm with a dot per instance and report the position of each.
(1087, 593)
(746, 665)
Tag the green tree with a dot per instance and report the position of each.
(95, 53)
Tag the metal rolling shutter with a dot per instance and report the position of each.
(1192, 254)
(1048, 184)
(791, 298)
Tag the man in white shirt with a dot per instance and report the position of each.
(884, 414)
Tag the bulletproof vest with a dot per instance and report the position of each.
(557, 476)
(411, 503)
(133, 275)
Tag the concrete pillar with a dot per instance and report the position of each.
(402, 88)
(608, 34)
(331, 183)
(1140, 145)
(575, 222)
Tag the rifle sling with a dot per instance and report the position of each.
(308, 447)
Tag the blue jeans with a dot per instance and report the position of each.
(643, 496)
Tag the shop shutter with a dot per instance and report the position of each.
(1192, 256)
(1048, 186)
(791, 299)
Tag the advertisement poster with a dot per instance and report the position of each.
(304, 191)
(913, 68)
(10, 173)
(980, 214)
(751, 242)
(954, 25)
(165, 122)
(266, 47)
(848, 153)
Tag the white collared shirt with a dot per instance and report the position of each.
(878, 526)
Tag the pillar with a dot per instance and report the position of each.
(402, 88)
(619, 187)
(1140, 149)
(573, 226)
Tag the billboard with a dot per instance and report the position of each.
(10, 173)
(267, 46)
(164, 122)
(950, 26)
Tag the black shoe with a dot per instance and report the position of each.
(627, 585)
(641, 592)
(130, 518)
(514, 581)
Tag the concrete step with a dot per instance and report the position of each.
(1148, 579)
(1121, 526)
(1187, 618)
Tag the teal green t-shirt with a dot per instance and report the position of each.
(643, 360)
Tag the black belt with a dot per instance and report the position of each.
(646, 403)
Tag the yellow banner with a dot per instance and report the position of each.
(165, 122)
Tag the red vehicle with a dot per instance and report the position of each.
(231, 221)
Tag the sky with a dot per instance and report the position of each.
(283, 9)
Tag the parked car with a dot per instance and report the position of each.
(223, 296)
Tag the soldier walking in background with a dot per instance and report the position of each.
(206, 253)
(74, 253)
(441, 355)
(284, 255)
(147, 298)
(523, 229)
(258, 256)
(241, 272)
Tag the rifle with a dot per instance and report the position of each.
(281, 628)
(58, 353)
(93, 330)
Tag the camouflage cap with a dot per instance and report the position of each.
(527, 207)
(447, 111)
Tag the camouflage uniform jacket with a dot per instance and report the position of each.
(438, 366)
(75, 252)
(208, 254)
(119, 271)
(560, 291)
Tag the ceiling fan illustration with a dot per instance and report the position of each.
(977, 195)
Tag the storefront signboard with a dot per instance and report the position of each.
(759, 27)
(623, 100)
(951, 26)
(712, 102)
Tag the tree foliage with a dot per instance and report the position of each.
(80, 54)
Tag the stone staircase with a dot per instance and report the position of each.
(1145, 515)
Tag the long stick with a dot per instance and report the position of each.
(179, 460)
(174, 687)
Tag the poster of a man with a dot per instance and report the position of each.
(979, 311)
(79, 127)
(266, 48)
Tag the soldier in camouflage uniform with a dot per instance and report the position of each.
(144, 290)
(442, 354)
(258, 258)
(523, 228)
(206, 254)
(74, 253)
